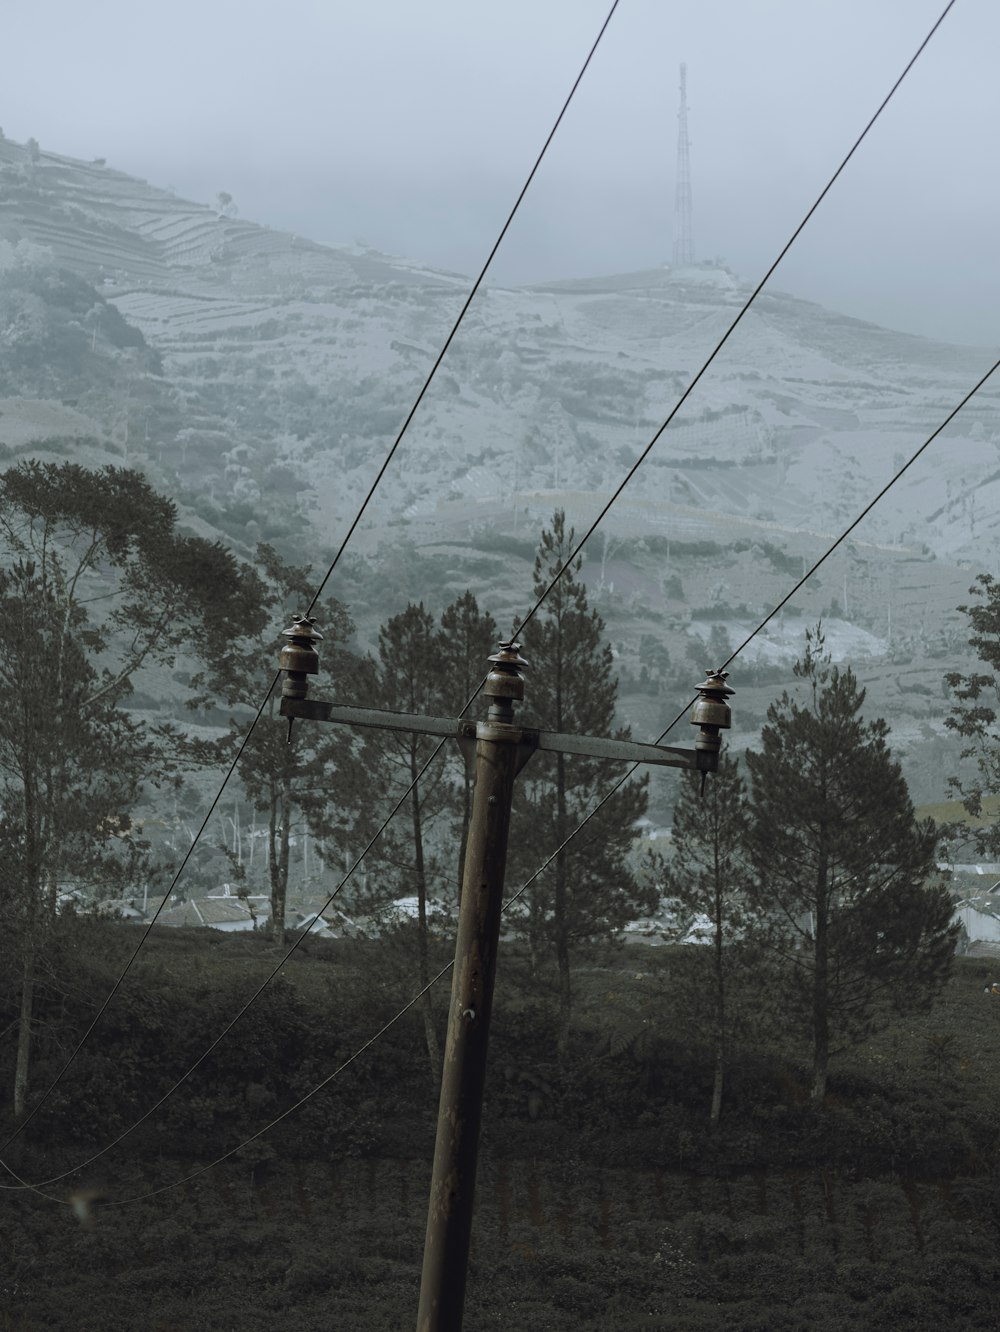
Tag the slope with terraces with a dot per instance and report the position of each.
(269, 375)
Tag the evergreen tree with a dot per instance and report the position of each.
(409, 677)
(468, 638)
(589, 891)
(708, 874)
(974, 717)
(427, 670)
(841, 865)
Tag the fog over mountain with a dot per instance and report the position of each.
(412, 129)
(260, 378)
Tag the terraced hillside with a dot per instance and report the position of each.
(261, 377)
(317, 352)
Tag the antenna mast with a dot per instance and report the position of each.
(683, 232)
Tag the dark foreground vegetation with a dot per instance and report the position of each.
(605, 1199)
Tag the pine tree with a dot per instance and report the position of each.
(409, 678)
(589, 891)
(468, 638)
(708, 873)
(841, 865)
(974, 717)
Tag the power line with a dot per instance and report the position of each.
(202, 1170)
(771, 614)
(745, 307)
(39, 1188)
(81, 1165)
(865, 511)
(683, 398)
(364, 505)
(475, 288)
(291, 1110)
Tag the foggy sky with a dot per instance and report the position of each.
(412, 127)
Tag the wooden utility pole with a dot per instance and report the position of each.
(501, 750)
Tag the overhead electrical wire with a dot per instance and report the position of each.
(285, 1114)
(357, 519)
(684, 396)
(781, 604)
(739, 317)
(41, 1186)
(55, 1179)
(472, 294)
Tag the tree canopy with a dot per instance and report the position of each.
(96, 585)
(974, 717)
(590, 890)
(708, 874)
(842, 864)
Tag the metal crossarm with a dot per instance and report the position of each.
(315, 709)
(621, 751)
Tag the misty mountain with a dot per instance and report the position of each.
(260, 378)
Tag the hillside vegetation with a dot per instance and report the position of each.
(604, 1199)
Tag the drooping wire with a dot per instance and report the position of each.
(864, 512)
(336, 559)
(534, 610)
(202, 1170)
(19, 1129)
(314, 1091)
(771, 614)
(139, 1197)
(95, 1156)
(743, 310)
(472, 294)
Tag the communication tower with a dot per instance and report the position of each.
(683, 234)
